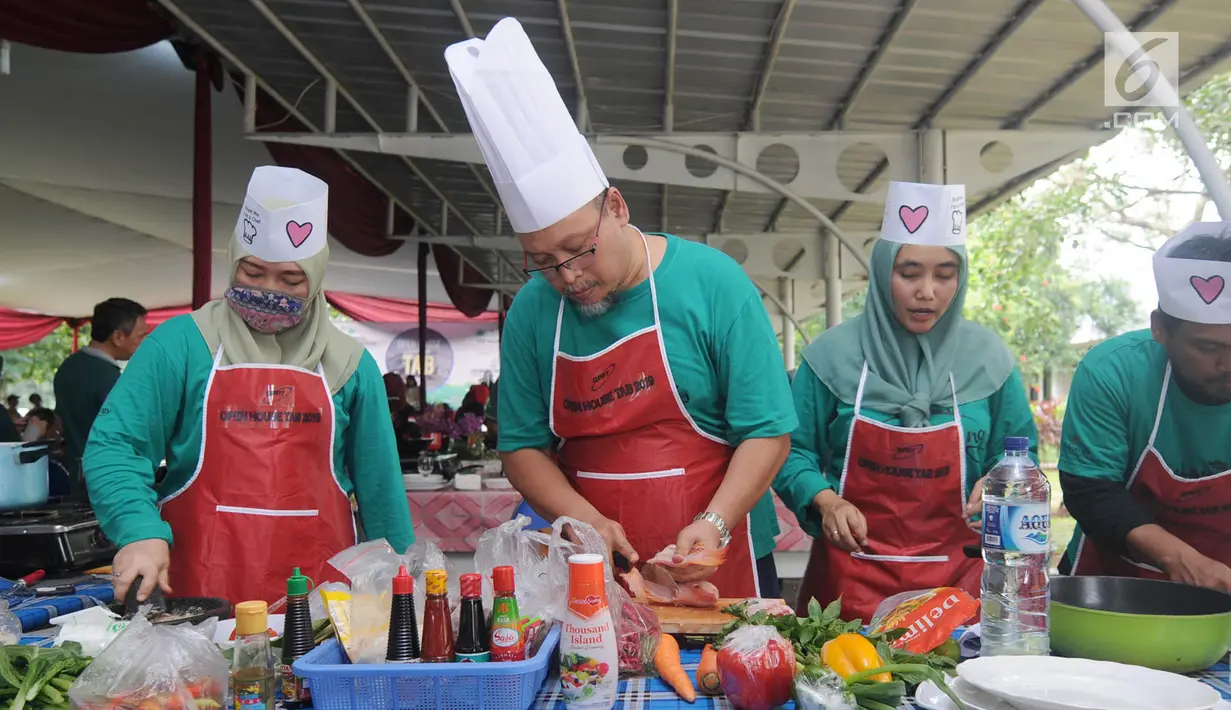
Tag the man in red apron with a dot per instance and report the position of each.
(642, 388)
(1145, 458)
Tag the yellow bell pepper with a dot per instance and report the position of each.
(849, 654)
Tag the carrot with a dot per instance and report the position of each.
(707, 672)
(667, 663)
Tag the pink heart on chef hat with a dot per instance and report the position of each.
(1208, 289)
(298, 233)
(912, 217)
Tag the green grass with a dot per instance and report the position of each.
(1062, 524)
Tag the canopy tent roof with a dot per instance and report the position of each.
(681, 70)
(672, 67)
(96, 186)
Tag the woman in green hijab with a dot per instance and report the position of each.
(902, 411)
(269, 419)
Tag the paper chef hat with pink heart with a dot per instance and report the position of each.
(1191, 287)
(285, 215)
(930, 215)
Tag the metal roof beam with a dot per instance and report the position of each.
(673, 25)
(293, 110)
(816, 153)
(583, 107)
(417, 96)
(838, 119)
(753, 121)
(1020, 14)
(286, 33)
(1081, 68)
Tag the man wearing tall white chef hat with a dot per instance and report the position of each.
(1145, 455)
(642, 388)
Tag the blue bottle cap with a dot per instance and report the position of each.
(1016, 443)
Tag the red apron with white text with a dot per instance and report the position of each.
(910, 485)
(264, 498)
(632, 450)
(1198, 511)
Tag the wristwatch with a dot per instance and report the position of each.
(724, 532)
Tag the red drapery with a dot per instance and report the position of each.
(86, 27)
(19, 328)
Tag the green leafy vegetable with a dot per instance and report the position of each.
(37, 678)
(821, 625)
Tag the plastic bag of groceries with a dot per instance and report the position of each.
(370, 567)
(154, 666)
(525, 550)
(637, 625)
(930, 616)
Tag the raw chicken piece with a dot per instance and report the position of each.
(654, 584)
(645, 591)
(699, 558)
(702, 595)
(774, 607)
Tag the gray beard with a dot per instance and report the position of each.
(593, 310)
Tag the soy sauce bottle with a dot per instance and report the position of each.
(297, 640)
(471, 644)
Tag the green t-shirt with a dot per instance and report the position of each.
(722, 350)
(818, 445)
(82, 384)
(1111, 409)
(155, 409)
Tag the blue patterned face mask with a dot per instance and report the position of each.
(269, 312)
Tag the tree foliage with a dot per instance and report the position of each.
(1022, 288)
(36, 364)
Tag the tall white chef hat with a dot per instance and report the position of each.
(542, 165)
(1189, 287)
(285, 216)
(930, 215)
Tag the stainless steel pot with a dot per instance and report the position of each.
(23, 474)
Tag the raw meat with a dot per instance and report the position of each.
(656, 581)
(699, 558)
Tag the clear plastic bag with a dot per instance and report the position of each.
(370, 567)
(514, 544)
(822, 689)
(169, 666)
(10, 626)
(756, 668)
(637, 626)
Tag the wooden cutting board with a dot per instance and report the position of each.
(685, 620)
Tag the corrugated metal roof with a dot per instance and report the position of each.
(853, 64)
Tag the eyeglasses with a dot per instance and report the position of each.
(581, 261)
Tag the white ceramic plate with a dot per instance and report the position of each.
(1052, 683)
(929, 697)
(432, 486)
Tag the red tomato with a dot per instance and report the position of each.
(760, 679)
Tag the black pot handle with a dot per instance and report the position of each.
(32, 456)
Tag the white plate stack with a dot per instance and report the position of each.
(419, 482)
(1052, 683)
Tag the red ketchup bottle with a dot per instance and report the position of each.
(437, 624)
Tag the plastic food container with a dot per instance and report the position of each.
(338, 684)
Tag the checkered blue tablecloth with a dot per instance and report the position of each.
(653, 694)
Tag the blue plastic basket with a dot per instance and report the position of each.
(338, 684)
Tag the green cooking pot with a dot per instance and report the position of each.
(1157, 624)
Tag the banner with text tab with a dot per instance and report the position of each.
(459, 354)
